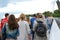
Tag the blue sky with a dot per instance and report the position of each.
(4, 3)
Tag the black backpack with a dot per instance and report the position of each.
(40, 29)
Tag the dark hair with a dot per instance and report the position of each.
(6, 14)
(34, 15)
(12, 22)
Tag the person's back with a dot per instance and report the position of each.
(4, 20)
(32, 20)
(35, 26)
(10, 29)
(12, 34)
(23, 28)
(38, 26)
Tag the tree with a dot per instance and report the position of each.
(56, 13)
(47, 13)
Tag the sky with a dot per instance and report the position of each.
(4, 3)
(26, 6)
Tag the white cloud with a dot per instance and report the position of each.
(30, 7)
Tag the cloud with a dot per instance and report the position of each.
(30, 7)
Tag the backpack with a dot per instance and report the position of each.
(40, 29)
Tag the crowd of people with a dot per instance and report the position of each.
(24, 28)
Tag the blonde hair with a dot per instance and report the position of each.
(22, 16)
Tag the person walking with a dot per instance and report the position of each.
(32, 22)
(24, 28)
(3, 21)
(39, 27)
(10, 29)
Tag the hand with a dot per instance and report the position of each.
(29, 37)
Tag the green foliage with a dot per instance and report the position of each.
(29, 15)
(56, 13)
(47, 13)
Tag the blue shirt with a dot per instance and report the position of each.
(32, 21)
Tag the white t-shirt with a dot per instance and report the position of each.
(24, 30)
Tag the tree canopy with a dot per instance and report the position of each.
(56, 13)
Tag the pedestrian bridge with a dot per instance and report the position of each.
(55, 32)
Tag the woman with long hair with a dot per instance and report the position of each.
(24, 28)
(11, 28)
